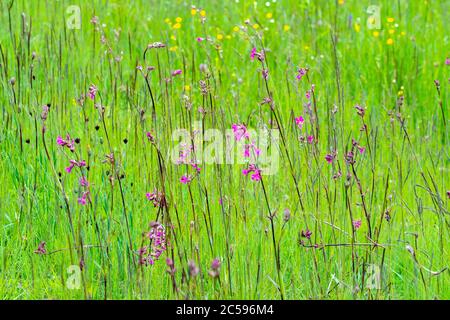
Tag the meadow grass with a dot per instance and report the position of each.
(293, 234)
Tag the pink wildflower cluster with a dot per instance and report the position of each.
(74, 163)
(300, 73)
(240, 131)
(41, 248)
(255, 54)
(255, 172)
(215, 268)
(92, 91)
(156, 197)
(356, 224)
(157, 235)
(85, 195)
(68, 142)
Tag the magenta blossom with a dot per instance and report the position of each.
(200, 39)
(329, 158)
(84, 182)
(447, 61)
(150, 137)
(176, 72)
(196, 167)
(356, 224)
(248, 148)
(83, 199)
(92, 91)
(256, 173)
(308, 94)
(185, 179)
(157, 237)
(68, 142)
(300, 73)
(448, 194)
(361, 149)
(74, 163)
(299, 121)
(306, 234)
(240, 131)
(155, 197)
(310, 139)
(253, 53)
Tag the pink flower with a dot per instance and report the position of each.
(157, 237)
(41, 248)
(256, 176)
(185, 179)
(156, 198)
(176, 72)
(240, 131)
(356, 224)
(301, 72)
(215, 268)
(68, 142)
(60, 141)
(308, 94)
(92, 91)
(74, 163)
(299, 122)
(84, 182)
(447, 61)
(306, 234)
(310, 139)
(256, 173)
(360, 110)
(196, 167)
(199, 39)
(150, 137)
(249, 147)
(448, 194)
(253, 53)
(83, 199)
(330, 158)
(361, 149)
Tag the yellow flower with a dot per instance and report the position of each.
(187, 88)
(269, 15)
(173, 37)
(400, 93)
(177, 25)
(391, 31)
(193, 11)
(389, 41)
(236, 29)
(178, 19)
(173, 49)
(255, 26)
(390, 20)
(341, 2)
(376, 34)
(219, 36)
(203, 13)
(286, 28)
(167, 20)
(357, 27)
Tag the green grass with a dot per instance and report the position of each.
(404, 170)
